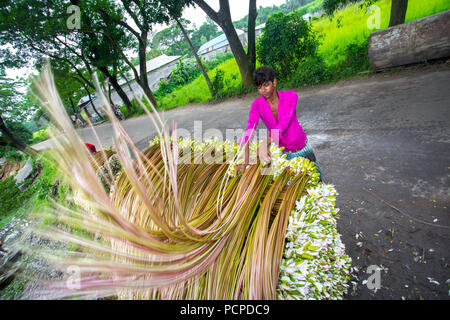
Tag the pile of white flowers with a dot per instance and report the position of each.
(278, 160)
(314, 264)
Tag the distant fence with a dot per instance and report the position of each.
(412, 42)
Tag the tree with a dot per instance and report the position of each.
(398, 9)
(398, 12)
(264, 13)
(144, 15)
(245, 61)
(172, 40)
(286, 40)
(199, 62)
(46, 35)
(206, 32)
(14, 109)
(103, 43)
(70, 86)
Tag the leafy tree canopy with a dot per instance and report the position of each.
(264, 13)
(332, 5)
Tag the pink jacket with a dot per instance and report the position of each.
(291, 135)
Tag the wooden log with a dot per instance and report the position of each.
(412, 42)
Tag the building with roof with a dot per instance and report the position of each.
(258, 29)
(157, 68)
(210, 49)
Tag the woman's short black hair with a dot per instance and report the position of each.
(262, 75)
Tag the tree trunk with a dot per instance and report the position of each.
(14, 142)
(76, 113)
(143, 80)
(251, 51)
(87, 113)
(398, 12)
(199, 62)
(128, 82)
(117, 87)
(223, 19)
(144, 85)
(242, 60)
(109, 93)
(92, 103)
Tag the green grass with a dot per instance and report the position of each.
(197, 91)
(15, 203)
(349, 25)
(312, 7)
(12, 199)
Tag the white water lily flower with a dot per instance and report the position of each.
(433, 281)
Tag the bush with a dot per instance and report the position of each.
(356, 59)
(217, 82)
(197, 90)
(11, 197)
(185, 72)
(286, 39)
(310, 71)
(11, 153)
(164, 87)
(136, 109)
(221, 57)
(36, 194)
(39, 136)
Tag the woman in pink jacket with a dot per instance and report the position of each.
(277, 109)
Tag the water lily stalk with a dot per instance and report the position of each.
(170, 230)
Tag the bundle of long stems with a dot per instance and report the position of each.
(166, 230)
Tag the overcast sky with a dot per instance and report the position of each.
(238, 9)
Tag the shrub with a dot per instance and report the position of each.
(11, 198)
(356, 59)
(286, 40)
(39, 136)
(310, 71)
(217, 83)
(164, 87)
(136, 109)
(185, 72)
(11, 153)
(221, 57)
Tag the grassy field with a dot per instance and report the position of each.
(349, 25)
(197, 90)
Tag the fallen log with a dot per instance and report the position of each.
(416, 41)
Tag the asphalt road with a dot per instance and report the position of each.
(383, 141)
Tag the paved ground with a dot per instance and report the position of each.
(383, 140)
